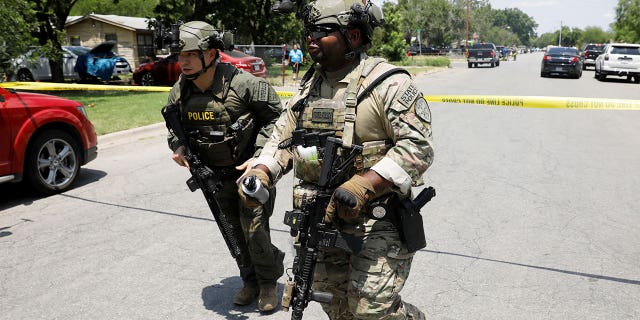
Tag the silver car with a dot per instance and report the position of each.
(33, 66)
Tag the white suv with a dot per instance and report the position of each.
(619, 59)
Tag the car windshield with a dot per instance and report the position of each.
(634, 51)
(595, 47)
(559, 51)
(78, 51)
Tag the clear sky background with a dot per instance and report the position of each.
(572, 13)
(549, 13)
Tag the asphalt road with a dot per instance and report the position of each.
(536, 218)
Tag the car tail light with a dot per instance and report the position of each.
(546, 57)
(574, 59)
(491, 54)
(586, 54)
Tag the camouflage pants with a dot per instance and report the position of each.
(263, 264)
(367, 285)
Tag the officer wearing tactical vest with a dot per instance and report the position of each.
(368, 102)
(229, 115)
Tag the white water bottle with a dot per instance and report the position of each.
(252, 187)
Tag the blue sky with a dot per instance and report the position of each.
(549, 13)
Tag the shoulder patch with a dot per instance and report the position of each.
(422, 110)
(262, 91)
(408, 95)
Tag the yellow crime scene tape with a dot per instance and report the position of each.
(488, 100)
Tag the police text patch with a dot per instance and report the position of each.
(263, 91)
(322, 115)
(407, 97)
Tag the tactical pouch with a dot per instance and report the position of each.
(305, 166)
(219, 154)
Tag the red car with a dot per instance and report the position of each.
(43, 139)
(166, 71)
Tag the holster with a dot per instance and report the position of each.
(407, 220)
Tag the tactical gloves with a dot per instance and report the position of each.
(348, 201)
(247, 201)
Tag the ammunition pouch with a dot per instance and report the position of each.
(229, 147)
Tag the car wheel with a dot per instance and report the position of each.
(601, 76)
(147, 79)
(493, 64)
(469, 64)
(52, 162)
(637, 79)
(24, 75)
(584, 67)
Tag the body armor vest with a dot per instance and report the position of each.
(220, 139)
(336, 116)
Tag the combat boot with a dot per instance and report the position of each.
(268, 299)
(246, 295)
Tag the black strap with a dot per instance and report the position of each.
(377, 81)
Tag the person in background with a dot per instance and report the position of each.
(296, 58)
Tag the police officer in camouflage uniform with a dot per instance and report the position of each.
(369, 102)
(229, 116)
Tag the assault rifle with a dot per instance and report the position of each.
(203, 178)
(308, 224)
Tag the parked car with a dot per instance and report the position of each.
(166, 71)
(44, 140)
(589, 54)
(277, 54)
(415, 50)
(561, 61)
(619, 59)
(78, 63)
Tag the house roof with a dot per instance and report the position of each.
(130, 23)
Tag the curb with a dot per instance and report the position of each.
(129, 135)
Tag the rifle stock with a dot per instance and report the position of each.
(203, 178)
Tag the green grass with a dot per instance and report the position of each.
(113, 111)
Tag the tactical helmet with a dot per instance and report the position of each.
(359, 13)
(199, 35)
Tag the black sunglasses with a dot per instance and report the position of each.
(317, 32)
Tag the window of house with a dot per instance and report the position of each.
(145, 47)
(112, 37)
(75, 40)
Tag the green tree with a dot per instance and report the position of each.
(18, 39)
(627, 24)
(593, 34)
(136, 8)
(519, 23)
(252, 20)
(388, 41)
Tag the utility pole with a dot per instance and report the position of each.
(560, 38)
(466, 44)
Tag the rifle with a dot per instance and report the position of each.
(307, 224)
(203, 178)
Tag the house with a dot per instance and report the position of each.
(132, 35)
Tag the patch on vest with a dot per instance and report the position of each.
(422, 110)
(410, 94)
(263, 91)
(324, 115)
